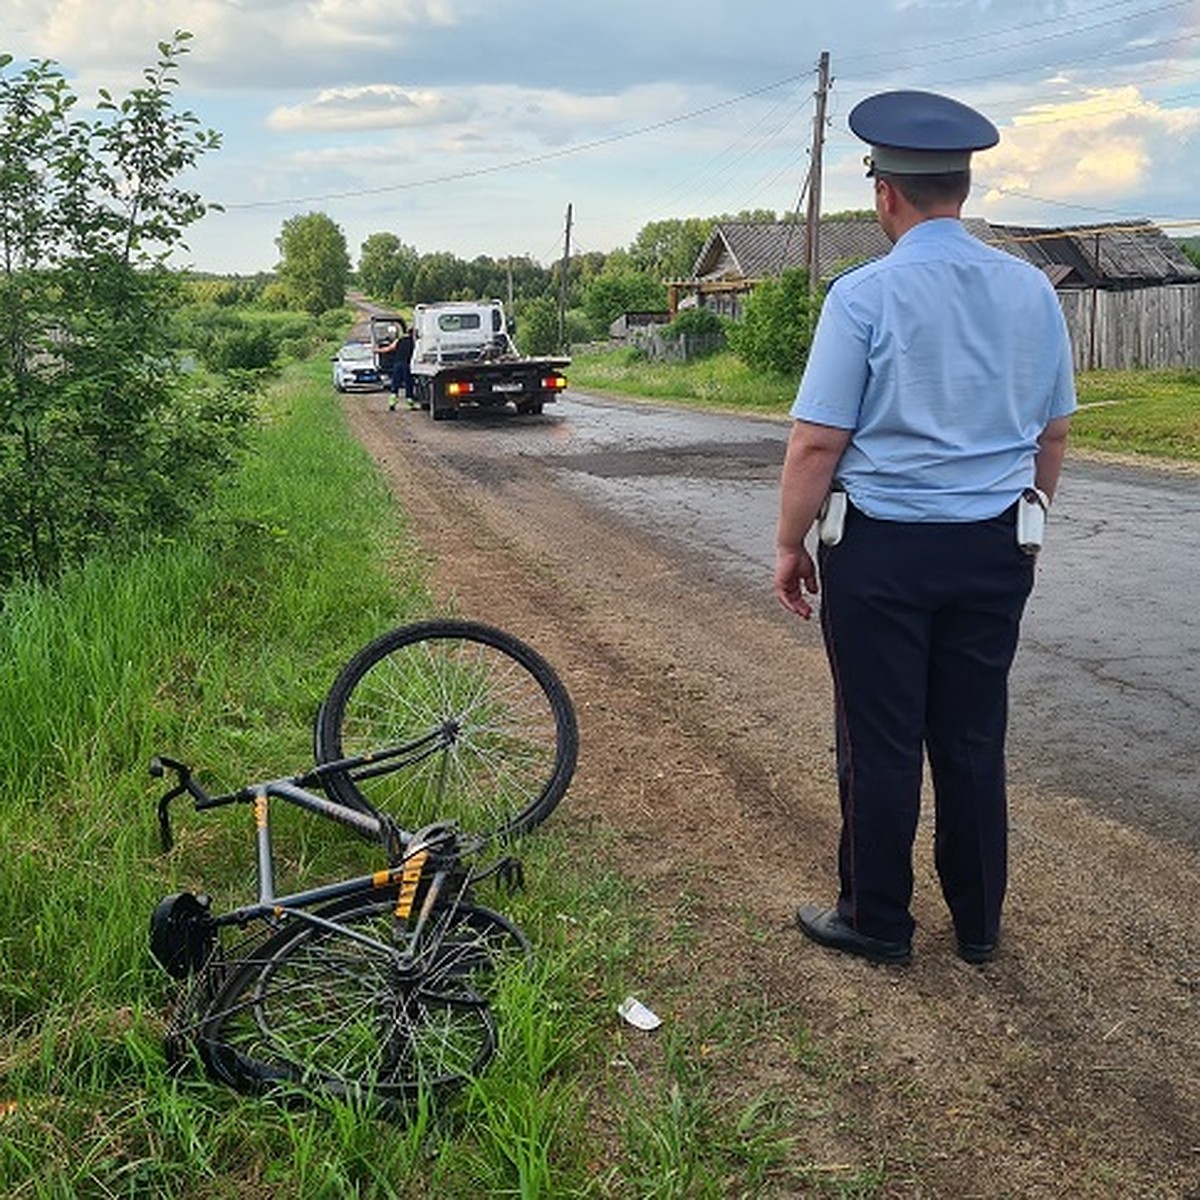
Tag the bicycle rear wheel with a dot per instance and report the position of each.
(493, 726)
(342, 1011)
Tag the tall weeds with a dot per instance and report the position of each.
(217, 650)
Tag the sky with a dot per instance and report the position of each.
(476, 126)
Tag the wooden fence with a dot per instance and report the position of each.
(1149, 327)
(1127, 330)
(682, 348)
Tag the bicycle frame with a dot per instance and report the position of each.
(406, 874)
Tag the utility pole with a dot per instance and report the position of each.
(562, 285)
(812, 230)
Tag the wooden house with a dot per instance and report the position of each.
(739, 255)
(1130, 294)
(1114, 257)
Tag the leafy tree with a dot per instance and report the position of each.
(776, 330)
(227, 339)
(529, 279)
(487, 278)
(537, 328)
(669, 249)
(696, 321)
(441, 276)
(102, 436)
(314, 263)
(609, 295)
(386, 266)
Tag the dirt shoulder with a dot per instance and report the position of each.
(1067, 1068)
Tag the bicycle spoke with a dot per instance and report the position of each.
(313, 1006)
(503, 726)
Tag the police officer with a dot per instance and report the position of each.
(935, 404)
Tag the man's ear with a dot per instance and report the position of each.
(890, 195)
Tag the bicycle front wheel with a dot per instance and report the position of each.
(493, 725)
(353, 1012)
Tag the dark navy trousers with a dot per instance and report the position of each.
(921, 622)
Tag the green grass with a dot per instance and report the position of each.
(217, 650)
(722, 381)
(1152, 413)
(1155, 413)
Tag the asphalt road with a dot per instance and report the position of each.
(1105, 690)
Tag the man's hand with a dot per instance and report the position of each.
(795, 574)
(812, 455)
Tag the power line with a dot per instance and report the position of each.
(1089, 57)
(532, 160)
(668, 122)
(1168, 222)
(785, 112)
(1020, 33)
(998, 42)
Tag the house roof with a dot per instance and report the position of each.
(1131, 254)
(748, 250)
(1128, 255)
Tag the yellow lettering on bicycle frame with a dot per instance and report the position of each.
(408, 883)
(260, 810)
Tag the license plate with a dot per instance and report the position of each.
(508, 387)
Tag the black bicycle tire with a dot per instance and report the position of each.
(236, 1047)
(348, 724)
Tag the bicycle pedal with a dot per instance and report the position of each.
(512, 874)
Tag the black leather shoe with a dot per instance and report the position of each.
(825, 927)
(977, 953)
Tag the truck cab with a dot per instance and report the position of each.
(460, 331)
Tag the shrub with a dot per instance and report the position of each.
(696, 321)
(776, 330)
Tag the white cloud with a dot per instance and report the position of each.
(468, 125)
(376, 106)
(334, 23)
(1103, 145)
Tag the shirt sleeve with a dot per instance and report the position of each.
(835, 375)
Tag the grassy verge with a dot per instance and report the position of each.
(217, 651)
(720, 381)
(1150, 413)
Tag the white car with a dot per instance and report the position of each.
(354, 367)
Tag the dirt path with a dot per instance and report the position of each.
(1069, 1067)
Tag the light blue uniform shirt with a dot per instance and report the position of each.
(947, 358)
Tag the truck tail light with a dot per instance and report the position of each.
(459, 387)
(554, 383)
